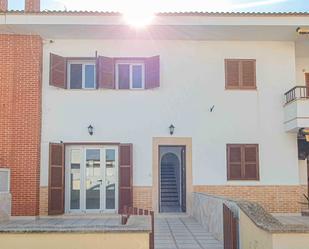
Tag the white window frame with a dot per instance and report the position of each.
(82, 207)
(131, 64)
(9, 179)
(84, 64)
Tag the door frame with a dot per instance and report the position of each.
(84, 147)
(171, 141)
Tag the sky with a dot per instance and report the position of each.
(172, 5)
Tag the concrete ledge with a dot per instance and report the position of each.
(136, 224)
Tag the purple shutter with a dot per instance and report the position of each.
(152, 72)
(58, 71)
(125, 176)
(105, 72)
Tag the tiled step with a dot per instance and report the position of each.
(168, 184)
(174, 203)
(168, 181)
(169, 200)
(168, 178)
(169, 192)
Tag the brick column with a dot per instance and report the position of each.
(3, 5)
(32, 5)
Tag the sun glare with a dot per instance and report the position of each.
(138, 19)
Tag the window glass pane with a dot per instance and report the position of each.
(75, 179)
(93, 178)
(4, 181)
(110, 176)
(76, 74)
(89, 76)
(124, 76)
(136, 76)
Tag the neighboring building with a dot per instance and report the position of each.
(87, 103)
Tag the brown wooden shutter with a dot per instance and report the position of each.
(251, 162)
(105, 72)
(307, 83)
(58, 71)
(232, 70)
(240, 74)
(152, 72)
(248, 74)
(123, 76)
(56, 179)
(242, 162)
(125, 176)
(234, 162)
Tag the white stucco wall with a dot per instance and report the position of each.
(192, 80)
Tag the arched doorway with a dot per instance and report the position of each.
(172, 179)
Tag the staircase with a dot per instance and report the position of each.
(169, 192)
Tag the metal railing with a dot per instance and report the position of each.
(297, 92)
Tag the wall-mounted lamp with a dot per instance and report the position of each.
(304, 132)
(172, 128)
(90, 130)
(302, 31)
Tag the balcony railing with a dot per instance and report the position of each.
(297, 92)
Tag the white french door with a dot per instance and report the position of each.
(91, 178)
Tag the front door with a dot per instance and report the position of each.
(172, 179)
(92, 174)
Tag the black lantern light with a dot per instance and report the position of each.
(172, 128)
(90, 130)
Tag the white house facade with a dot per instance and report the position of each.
(194, 102)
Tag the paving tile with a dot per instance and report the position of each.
(186, 232)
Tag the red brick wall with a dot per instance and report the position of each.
(20, 118)
(274, 198)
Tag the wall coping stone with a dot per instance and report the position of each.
(135, 224)
(260, 217)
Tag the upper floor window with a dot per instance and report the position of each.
(81, 74)
(4, 180)
(130, 75)
(104, 72)
(240, 74)
(242, 161)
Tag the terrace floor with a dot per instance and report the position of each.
(172, 231)
(182, 232)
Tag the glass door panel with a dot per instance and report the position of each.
(110, 178)
(75, 179)
(93, 179)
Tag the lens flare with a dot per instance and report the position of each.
(138, 19)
